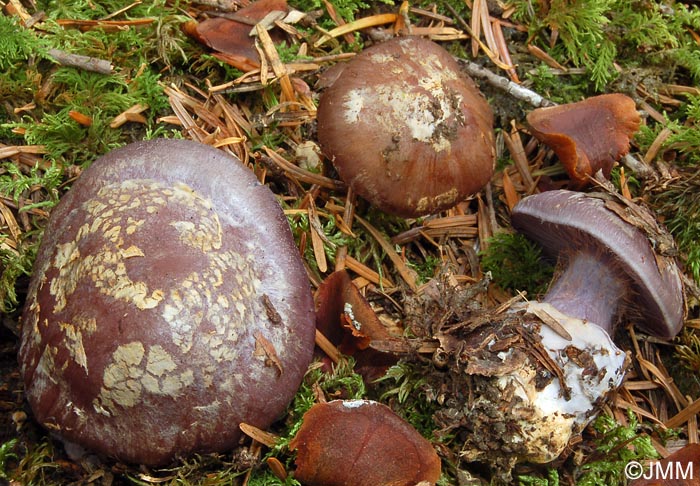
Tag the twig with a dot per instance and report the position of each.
(513, 89)
(83, 62)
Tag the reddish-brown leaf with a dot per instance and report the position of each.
(231, 38)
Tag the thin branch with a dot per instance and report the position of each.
(513, 89)
(83, 62)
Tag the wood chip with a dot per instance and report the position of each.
(511, 195)
(327, 347)
(302, 174)
(133, 114)
(265, 348)
(550, 316)
(278, 67)
(317, 238)
(367, 273)
(684, 415)
(517, 152)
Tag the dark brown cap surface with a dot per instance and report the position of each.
(168, 303)
(406, 129)
(361, 443)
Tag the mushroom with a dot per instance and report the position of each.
(589, 135)
(344, 316)
(406, 129)
(168, 304)
(363, 443)
(608, 263)
(609, 268)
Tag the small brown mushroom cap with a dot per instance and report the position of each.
(406, 129)
(589, 135)
(566, 222)
(363, 443)
(168, 303)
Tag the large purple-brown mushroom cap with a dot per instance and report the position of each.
(569, 223)
(168, 304)
(406, 129)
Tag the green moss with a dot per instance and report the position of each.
(407, 384)
(554, 87)
(598, 34)
(552, 479)
(7, 453)
(348, 10)
(516, 263)
(426, 268)
(37, 466)
(616, 445)
(17, 262)
(619, 445)
(17, 44)
(332, 239)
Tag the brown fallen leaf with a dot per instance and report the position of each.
(230, 35)
(682, 468)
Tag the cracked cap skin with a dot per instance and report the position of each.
(168, 304)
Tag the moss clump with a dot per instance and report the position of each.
(516, 263)
(597, 34)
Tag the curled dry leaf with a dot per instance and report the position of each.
(362, 443)
(589, 135)
(230, 36)
(345, 317)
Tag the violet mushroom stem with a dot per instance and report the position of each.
(588, 289)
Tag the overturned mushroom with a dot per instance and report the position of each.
(406, 129)
(168, 303)
(362, 443)
(540, 373)
(607, 264)
(589, 135)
